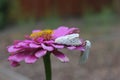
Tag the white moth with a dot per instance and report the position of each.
(85, 53)
(72, 39)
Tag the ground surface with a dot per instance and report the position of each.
(103, 63)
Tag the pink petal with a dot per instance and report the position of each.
(27, 41)
(17, 57)
(40, 40)
(40, 53)
(57, 46)
(27, 37)
(35, 31)
(32, 45)
(30, 59)
(12, 49)
(49, 48)
(14, 63)
(81, 48)
(61, 31)
(61, 56)
(22, 44)
(49, 42)
(73, 30)
(71, 47)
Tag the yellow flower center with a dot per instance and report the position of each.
(46, 34)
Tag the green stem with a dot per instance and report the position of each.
(47, 65)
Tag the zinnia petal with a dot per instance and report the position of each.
(14, 63)
(12, 49)
(81, 48)
(49, 42)
(57, 46)
(61, 31)
(73, 30)
(71, 47)
(17, 57)
(40, 53)
(49, 48)
(35, 31)
(61, 56)
(30, 59)
(32, 45)
(22, 44)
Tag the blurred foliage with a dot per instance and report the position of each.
(2, 4)
(3, 13)
(16, 15)
(52, 21)
(15, 11)
(11, 12)
(105, 18)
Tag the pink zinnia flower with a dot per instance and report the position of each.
(42, 42)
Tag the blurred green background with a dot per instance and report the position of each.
(54, 12)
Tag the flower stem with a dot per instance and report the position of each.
(47, 66)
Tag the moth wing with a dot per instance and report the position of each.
(72, 39)
(85, 53)
(61, 40)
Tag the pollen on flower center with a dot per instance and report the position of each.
(46, 34)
